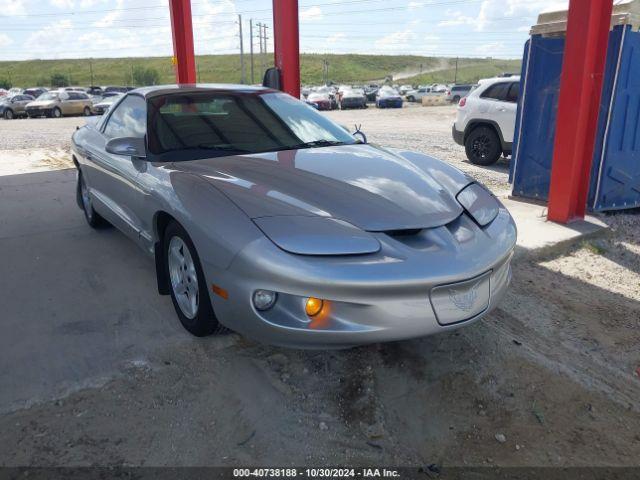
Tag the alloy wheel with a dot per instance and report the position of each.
(184, 279)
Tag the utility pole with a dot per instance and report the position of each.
(131, 84)
(455, 78)
(91, 71)
(264, 36)
(197, 72)
(243, 78)
(251, 47)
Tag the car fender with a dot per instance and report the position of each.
(476, 122)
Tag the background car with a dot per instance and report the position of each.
(486, 118)
(456, 92)
(417, 94)
(13, 107)
(388, 98)
(105, 103)
(35, 92)
(371, 91)
(353, 98)
(58, 103)
(321, 100)
(93, 90)
(14, 91)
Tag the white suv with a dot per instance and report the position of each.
(486, 119)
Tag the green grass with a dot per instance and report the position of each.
(349, 68)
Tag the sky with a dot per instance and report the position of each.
(48, 29)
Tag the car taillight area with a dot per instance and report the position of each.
(462, 102)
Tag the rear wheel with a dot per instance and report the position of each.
(456, 99)
(482, 146)
(86, 112)
(189, 292)
(8, 114)
(411, 98)
(56, 113)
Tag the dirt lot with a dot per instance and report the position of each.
(552, 378)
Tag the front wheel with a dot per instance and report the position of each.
(411, 99)
(86, 112)
(8, 114)
(56, 113)
(189, 292)
(482, 146)
(93, 218)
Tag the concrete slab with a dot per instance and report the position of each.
(76, 305)
(535, 233)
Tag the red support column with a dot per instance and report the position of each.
(286, 39)
(578, 106)
(182, 29)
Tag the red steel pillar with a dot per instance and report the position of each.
(286, 40)
(578, 106)
(182, 29)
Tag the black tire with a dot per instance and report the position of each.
(411, 98)
(92, 217)
(86, 112)
(482, 146)
(456, 99)
(204, 322)
(8, 114)
(56, 113)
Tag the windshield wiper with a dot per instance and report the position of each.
(219, 148)
(315, 143)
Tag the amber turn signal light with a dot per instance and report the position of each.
(313, 306)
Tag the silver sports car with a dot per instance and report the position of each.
(266, 217)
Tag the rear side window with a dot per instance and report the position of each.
(129, 119)
(514, 92)
(497, 91)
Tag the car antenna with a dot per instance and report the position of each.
(360, 132)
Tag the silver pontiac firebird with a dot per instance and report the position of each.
(267, 218)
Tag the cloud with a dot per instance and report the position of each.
(62, 3)
(110, 17)
(311, 14)
(396, 41)
(335, 38)
(5, 40)
(12, 7)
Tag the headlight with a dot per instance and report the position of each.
(479, 203)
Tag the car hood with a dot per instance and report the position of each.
(370, 187)
(42, 103)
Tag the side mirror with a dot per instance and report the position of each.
(127, 146)
(272, 79)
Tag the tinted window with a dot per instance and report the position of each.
(205, 124)
(497, 91)
(129, 119)
(514, 92)
(74, 96)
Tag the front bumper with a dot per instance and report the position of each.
(38, 112)
(371, 298)
(458, 136)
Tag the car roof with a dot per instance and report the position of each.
(159, 90)
(487, 81)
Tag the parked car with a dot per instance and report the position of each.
(353, 98)
(93, 90)
(118, 89)
(322, 101)
(318, 240)
(371, 92)
(13, 107)
(418, 94)
(3, 92)
(486, 118)
(404, 89)
(388, 98)
(14, 91)
(58, 103)
(105, 103)
(456, 92)
(35, 92)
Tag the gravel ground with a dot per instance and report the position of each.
(552, 378)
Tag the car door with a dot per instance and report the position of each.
(113, 179)
(494, 106)
(19, 102)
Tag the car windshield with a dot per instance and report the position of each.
(48, 96)
(205, 124)
(387, 92)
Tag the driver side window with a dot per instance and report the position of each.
(129, 119)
